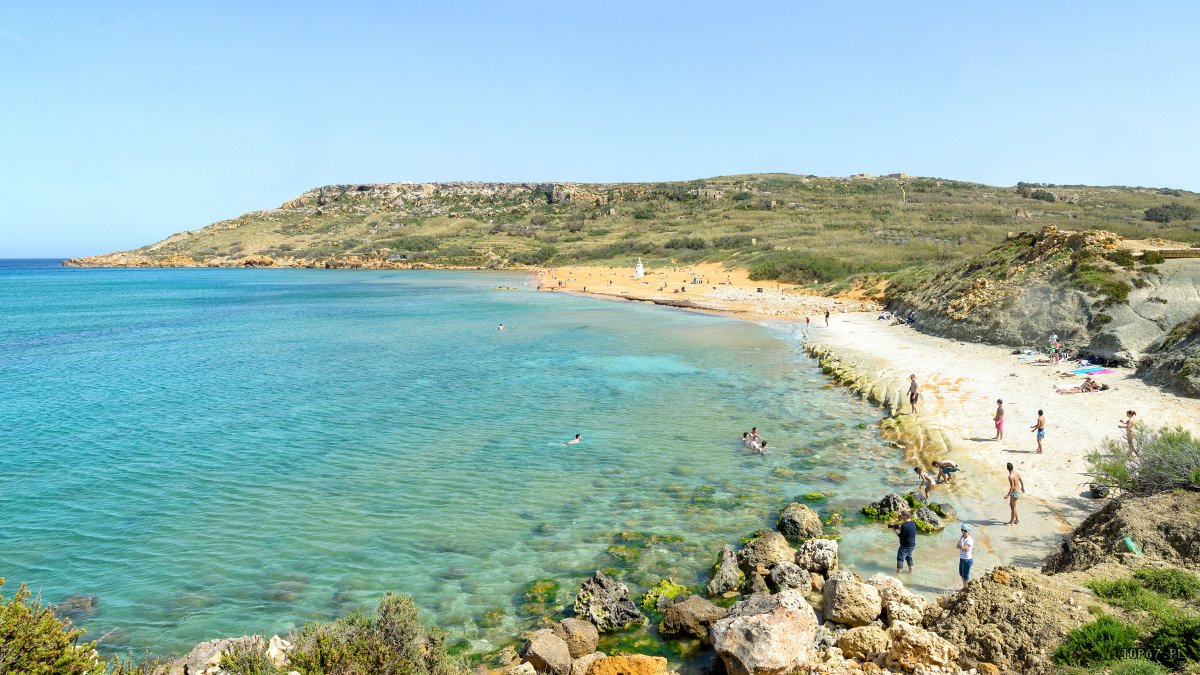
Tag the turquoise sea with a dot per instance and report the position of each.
(217, 452)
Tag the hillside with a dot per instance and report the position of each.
(800, 229)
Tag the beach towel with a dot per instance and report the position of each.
(1102, 371)
(1088, 370)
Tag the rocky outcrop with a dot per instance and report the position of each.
(605, 602)
(629, 664)
(786, 575)
(692, 617)
(766, 635)
(798, 522)
(930, 518)
(583, 664)
(864, 642)
(727, 576)
(819, 556)
(1165, 527)
(548, 653)
(581, 636)
(763, 551)
(1012, 617)
(849, 601)
(1174, 360)
(914, 648)
(205, 658)
(899, 603)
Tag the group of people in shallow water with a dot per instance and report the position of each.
(756, 443)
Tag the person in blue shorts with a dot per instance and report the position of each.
(966, 554)
(1040, 427)
(907, 533)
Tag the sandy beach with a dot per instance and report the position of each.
(960, 383)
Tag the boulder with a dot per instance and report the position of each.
(581, 636)
(818, 582)
(927, 515)
(899, 603)
(891, 503)
(691, 617)
(849, 601)
(548, 653)
(797, 521)
(662, 594)
(818, 555)
(787, 575)
(605, 602)
(766, 635)
(756, 584)
(726, 575)
(519, 668)
(863, 642)
(581, 665)
(206, 656)
(277, 651)
(914, 648)
(763, 552)
(629, 664)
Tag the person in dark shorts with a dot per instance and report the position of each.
(946, 470)
(914, 394)
(907, 533)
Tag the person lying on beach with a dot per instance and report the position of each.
(946, 470)
(575, 441)
(1089, 385)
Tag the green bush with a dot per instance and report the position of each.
(1137, 667)
(539, 256)
(34, 641)
(1153, 258)
(1097, 643)
(1043, 195)
(742, 196)
(1165, 459)
(393, 642)
(1130, 594)
(416, 243)
(1122, 257)
(643, 213)
(1171, 582)
(1176, 642)
(249, 659)
(733, 241)
(1171, 212)
(695, 243)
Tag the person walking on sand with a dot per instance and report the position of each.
(926, 482)
(1016, 488)
(914, 393)
(907, 533)
(1129, 425)
(966, 553)
(998, 418)
(1040, 428)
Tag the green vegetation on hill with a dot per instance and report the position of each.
(800, 229)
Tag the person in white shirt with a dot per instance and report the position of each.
(966, 554)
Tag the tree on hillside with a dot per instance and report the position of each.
(1171, 212)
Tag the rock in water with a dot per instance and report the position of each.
(76, 607)
(891, 503)
(818, 555)
(548, 653)
(766, 635)
(692, 617)
(932, 519)
(605, 602)
(797, 521)
(849, 601)
(763, 552)
(914, 647)
(863, 642)
(726, 575)
(629, 664)
(581, 636)
(787, 575)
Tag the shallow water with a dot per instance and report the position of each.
(216, 452)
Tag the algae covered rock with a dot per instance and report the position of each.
(605, 602)
(819, 556)
(849, 601)
(933, 522)
(763, 551)
(581, 636)
(691, 617)
(797, 521)
(766, 635)
(727, 577)
(661, 595)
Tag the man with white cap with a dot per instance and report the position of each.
(966, 552)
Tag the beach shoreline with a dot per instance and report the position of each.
(960, 383)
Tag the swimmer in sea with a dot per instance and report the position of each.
(575, 441)
(501, 327)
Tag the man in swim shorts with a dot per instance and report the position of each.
(998, 418)
(914, 394)
(1040, 428)
(946, 470)
(1016, 488)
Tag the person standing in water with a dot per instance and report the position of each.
(1016, 488)
(1040, 428)
(914, 393)
(998, 418)
(926, 483)
(1129, 425)
(966, 553)
(907, 533)
(827, 318)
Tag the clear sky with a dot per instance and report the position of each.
(122, 122)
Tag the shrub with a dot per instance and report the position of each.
(1171, 212)
(695, 243)
(537, 256)
(1153, 258)
(1102, 318)
(393, 642)
(1171, 582)
(1122, 257)
(1176, 642)
(733, 241)
(643, 213)
(1043, 195)
(33, 640)
(742, 196)
(539, 220)
(1164, 459)
(249, 658)
(415, 243)
(1129, 594)
(1137, 667)
(1097, 643)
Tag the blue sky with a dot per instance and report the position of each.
(121, 123)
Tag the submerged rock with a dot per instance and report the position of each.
(766, 635)
(691, 617)
(605, 602)
(797, 521)
(726, 575)
(76, 607)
